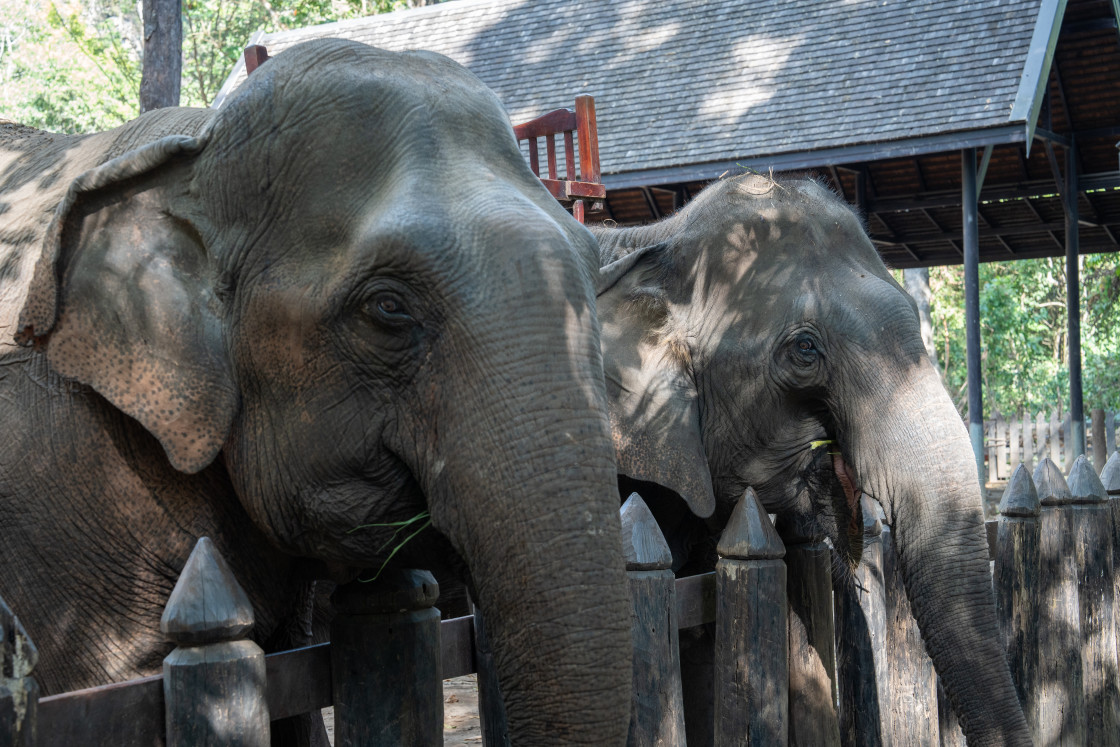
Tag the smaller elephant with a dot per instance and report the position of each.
(340, 303)
(755, 338)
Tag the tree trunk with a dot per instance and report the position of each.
(917, 285)
(163, 54)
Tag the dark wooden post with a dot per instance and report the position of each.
(1061, 694)
(861, 658)
(385, 662)
(812, 639)
(910, 711)
(491, 706)
(19, 693)
(214, 681)
(1017, 587)
(751, 650)
(657, 709)
(1110, 479)
(1100, 441)
(1093, 542)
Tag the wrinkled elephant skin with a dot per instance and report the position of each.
(339, 302)
(755, 338)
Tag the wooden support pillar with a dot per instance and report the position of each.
(1061, 695)
(1093, 543)
(386, 669)
(214, 681)
(812, 662)
(492, 718)
(910, 715)
(19, 693)
(1017, 588)
(656, 705)
(1073, 299)
(751, 657)
(1110, 479)
(970, 229)
(861, 609)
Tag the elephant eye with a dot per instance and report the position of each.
(388, 307)
(806, 350)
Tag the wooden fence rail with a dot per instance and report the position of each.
(772, 612)
(1027, 439)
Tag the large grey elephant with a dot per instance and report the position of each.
(755, 338)
(342, 300)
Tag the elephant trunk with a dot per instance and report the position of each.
(532, 508)
(914, 454)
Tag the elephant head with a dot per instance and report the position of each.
(757, 338)
(350, 291)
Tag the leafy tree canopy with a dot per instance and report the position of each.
(1024, 323)
(74, 65)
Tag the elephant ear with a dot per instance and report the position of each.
(122, 299)
(652, 397)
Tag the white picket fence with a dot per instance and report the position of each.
(1027, 439)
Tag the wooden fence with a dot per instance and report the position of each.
(1026, 439)
(794, 661)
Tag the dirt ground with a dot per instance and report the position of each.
(460, 713)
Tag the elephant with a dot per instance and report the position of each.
(755, 338)
(342, 301)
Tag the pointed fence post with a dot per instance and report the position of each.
(214, 681)
(1017, 587)
(910, 711)
(1061, 694)
(385, 661)
(751, 659)
(19, 693)
(861, 657)
(1093, 541)
(657, 709)
(812, 639)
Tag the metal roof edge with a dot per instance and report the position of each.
(797, 160)
(1036, 69)
(235, 74)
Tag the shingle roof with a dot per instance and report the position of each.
(710, 82)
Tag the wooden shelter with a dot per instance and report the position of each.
(965, 132)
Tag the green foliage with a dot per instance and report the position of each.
(74, 65)
(423, 519)
(216, 31)
(69, 66)
(1023, 318)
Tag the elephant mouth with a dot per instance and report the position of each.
(852, 492)
(839, 489)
